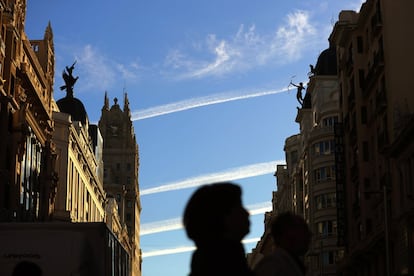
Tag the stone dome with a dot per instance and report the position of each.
(326, 64)
(74, 107)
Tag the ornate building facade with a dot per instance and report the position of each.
(121, 164)
(51, 158)
(27, 157)
(80, 194)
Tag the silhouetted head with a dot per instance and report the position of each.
(214, 212)
(290, 232)
(26, 268)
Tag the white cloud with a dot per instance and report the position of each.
(292, 38)
(228, 175)
(98, 72)
(94, 69)
(176, 223)
(247, 49)
(199, 102)
(182, 249)
(357, 5)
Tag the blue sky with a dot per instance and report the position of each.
(207, 83)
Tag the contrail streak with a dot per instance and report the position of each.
(229, 175)
(161, 226)
(176, 223)
(183, 249)
(198, 102)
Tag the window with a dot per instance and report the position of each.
(128, 166)
(364, 116)
(325, 201)
(29, 176)
(361, 77)
(329, 121)
(324, 174)
(128, 217)
(118, 197)
(326, 228)
(365, 151)
(360, 44)
(323, 148)
(328, 257)
(129, 204)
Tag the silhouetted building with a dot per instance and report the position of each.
(375, 60)
(307, 183)
(318, 164)
(121, 163)
(281, 202)
(351, 167)
(27, 158)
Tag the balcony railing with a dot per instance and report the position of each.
(374, 71)
(380, 101)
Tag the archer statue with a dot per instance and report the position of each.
(69, 80)
(300, 87)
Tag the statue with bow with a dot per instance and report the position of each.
(69, 80)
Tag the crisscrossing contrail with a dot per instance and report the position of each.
(176, 223)
(228, 175)
(182, 249)
(198, 102)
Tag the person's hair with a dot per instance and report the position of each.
(206, 209)
(284, 223)
(25, 268)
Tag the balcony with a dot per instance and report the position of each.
(354, 171)
(380, 102)
(322, 131)
(351, 100)
(356, 209)
(382, 140)
(376, 24)
(349, 65)
(374, 71)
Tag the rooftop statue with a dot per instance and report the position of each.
(299, 96)
(69, 80)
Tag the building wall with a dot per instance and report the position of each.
(375, 57)
(373, 163)
(26, 152)
(281, 202)
(320, 193)
(121, 164)
(80, 195)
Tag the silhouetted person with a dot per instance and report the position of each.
(26, 268)
(215, 219)
(291, 237)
